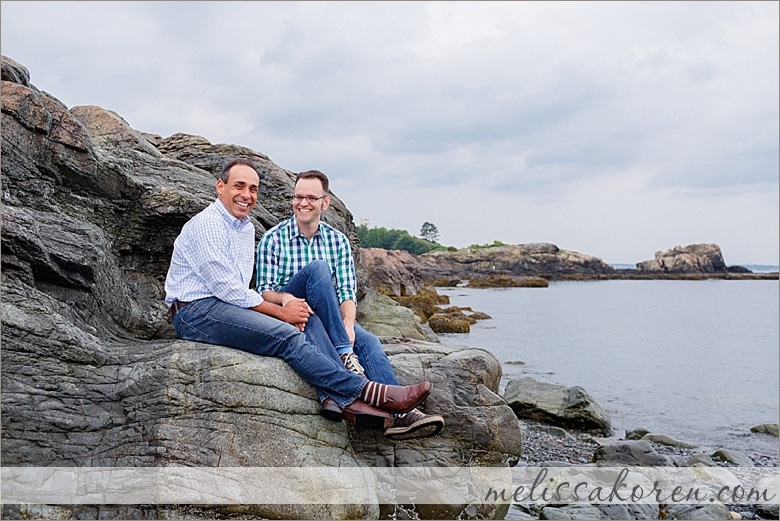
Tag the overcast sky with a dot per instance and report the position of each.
(614, 129)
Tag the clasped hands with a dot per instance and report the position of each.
(297, 311)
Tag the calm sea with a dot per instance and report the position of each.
(695, 360)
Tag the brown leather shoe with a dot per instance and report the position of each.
(331, 411)
(360, 414)
(396, 398)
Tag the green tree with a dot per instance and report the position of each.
(393, 240)
(429, 232)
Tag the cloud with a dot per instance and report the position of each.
(505, 109)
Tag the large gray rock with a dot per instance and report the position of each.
(568, 407)
(766, 428)
(630, 452)
(733, 456)
(92, 374)
(383, 316)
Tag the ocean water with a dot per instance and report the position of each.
(695, 360)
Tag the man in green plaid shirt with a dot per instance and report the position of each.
(305, 258)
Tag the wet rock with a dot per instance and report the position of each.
(640, 453)
(570, 407)
(733, 456)
(441, 323)
(663, 439)
(766, 428)
(507, 281)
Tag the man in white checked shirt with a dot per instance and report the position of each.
(207, 290)
(303, 257)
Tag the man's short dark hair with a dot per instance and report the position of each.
(225, 172)
(314, 174)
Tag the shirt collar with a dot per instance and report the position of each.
(229, 217)
(296, 232)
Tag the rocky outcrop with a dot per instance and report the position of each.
(694, 258)
(400, 273)
(392, 272)
(537, 259)
(568, 407)
(507, 281)
(91, 372)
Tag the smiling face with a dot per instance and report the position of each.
(239, 193)
(308, 213)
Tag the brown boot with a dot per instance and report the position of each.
(331, 411)
(358, 413)
(395, 398)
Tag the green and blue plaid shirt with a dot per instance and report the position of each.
(283, 251)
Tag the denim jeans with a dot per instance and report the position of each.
(314, 284)
(373, 358)
(212, 321)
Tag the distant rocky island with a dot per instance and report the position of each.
(400, 273)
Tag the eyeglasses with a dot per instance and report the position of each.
(310, 198)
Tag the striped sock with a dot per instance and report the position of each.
(374, 393)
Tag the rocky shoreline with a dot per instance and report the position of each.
(400, 274)
(546, 445)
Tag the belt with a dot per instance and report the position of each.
(177, 305)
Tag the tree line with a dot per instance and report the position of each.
(394, 239)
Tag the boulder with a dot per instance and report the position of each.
(766, 428)
(444, 323)
(384, 317)
(632, 452)
(567, 407)
(733, 456)
(663, 439)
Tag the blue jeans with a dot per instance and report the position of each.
(314, 283)
(212, 321)
(373, 358)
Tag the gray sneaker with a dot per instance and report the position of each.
(414, 424)
(352, 363)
